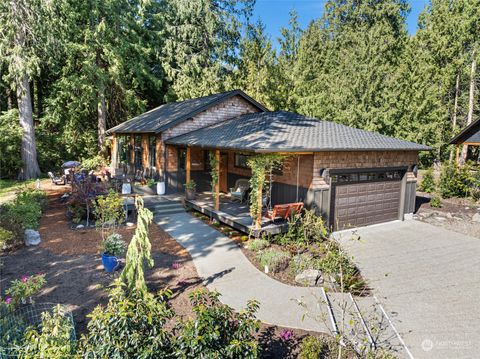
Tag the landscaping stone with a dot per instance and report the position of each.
(440, 219)
(80, 226)
(476, 217)
(32, 237)
(130, 224)
(309, 277)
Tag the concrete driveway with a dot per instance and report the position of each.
(428, 280)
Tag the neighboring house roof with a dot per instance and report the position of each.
(470, 134)
(289, 132)
(170, 114)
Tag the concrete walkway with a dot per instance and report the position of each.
(223, 267)
(428, 279)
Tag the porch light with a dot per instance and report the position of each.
(323, 172)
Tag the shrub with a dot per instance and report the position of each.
(428, 181)
(436, 202)
(94, 163)
(312, 348)
(475, 188)
(54, 339)
(24, 211)
(114, 245)
(455, 181)
(303, 261)
(109, 212)
(130, 326)
(217, 331)
(304, 230)
(274, 259)
(7, 238)
(258, 244)
(21, 289)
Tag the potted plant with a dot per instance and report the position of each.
(112, 247)
(190, 187)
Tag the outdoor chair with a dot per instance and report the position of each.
(240, 191)
(128, 198)
(57, 180)
(284, 211)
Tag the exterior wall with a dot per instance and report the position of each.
(225, 110)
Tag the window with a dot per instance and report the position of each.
(152, 151)
(206, 160)
(395, 175)
(138, 152)
(182, 158)
(241, 160)
(123, 149)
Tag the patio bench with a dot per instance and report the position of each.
(284, 211)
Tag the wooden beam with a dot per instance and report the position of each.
(258, 220)
(159, 155)
(145, 150)
(217, 185)
(114, 153)
(188, 164)
(132, 152)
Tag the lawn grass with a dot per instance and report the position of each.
(8, 186)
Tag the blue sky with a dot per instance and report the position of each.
(274, 13)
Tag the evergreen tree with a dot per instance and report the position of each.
(256, 69)
(28, 31)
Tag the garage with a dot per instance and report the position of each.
(364, 198)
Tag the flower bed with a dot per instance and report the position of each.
(304, 256)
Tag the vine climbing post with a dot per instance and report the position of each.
(217, 184)
(187, 164)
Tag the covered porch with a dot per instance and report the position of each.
(234, 214)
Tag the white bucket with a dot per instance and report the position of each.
(160, 188)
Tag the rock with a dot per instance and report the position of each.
(476, 217)
(80, 226)
(32, 237)
(467, 207)
(449, 215)
(440, 219)
(130, 224)
(309, 277)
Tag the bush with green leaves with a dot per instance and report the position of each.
(436, 202)
(22, 289)
(428, 182)
(274, 259)
(313, 348)
(455, 181)
(114, 245)
(258, 244)
(54, 339)
(94, 163)
(303, 261)
(25, 211)
(7, 238)
(109, 212)
(132, 325)
(304, 230)
(217, 331)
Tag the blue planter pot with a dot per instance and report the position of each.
(110, 263)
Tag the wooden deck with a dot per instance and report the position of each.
(234, 214)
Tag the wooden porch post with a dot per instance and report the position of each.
(187, 164)
(217, 185)
(114, 152)
(258, 220)
(132, 152)
(145, 154)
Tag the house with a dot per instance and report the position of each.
(350, 176)
(469, 136)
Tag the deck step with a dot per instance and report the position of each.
(161, 206)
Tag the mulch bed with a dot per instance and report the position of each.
(71, 260)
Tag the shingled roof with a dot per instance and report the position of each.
(170, 114)
(289, 132)
(470, 134)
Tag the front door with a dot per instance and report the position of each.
(223, 173)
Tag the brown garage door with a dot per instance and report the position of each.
(361, 204)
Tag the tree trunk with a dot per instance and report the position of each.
(455, 108)
(463, 156)
(102, 122)
(29, 147)
(9, 99)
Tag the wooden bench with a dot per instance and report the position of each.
(284, 211)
